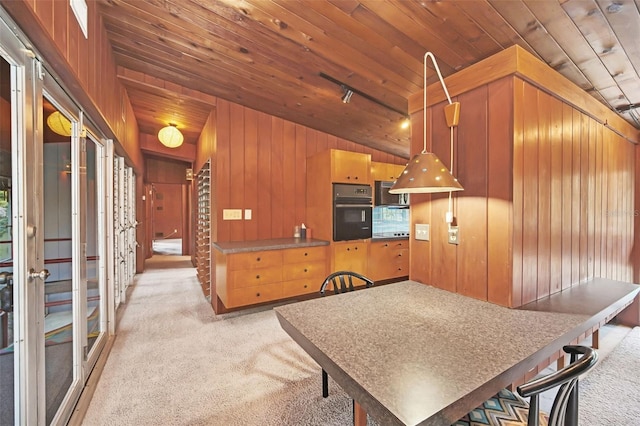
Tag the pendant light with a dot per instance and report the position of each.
(59, 124)
(426, 173)
(170, 136)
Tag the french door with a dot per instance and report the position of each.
(53, 311)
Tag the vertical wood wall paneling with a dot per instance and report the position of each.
(544, 196)
(518, 191)
(277, 177)
(635, 260)
(500, 192)
(237, 170)
(575, 198)
(420, 251)
(250, 174)
(300, 170)
(584, 196)
(265, 186)
(289, 176)
(591, 203)
(471, 170)
(223, 170)
(598, 204)
(555, 139)
(530, 194)
(443, 255)
(74, 33)
(567, 191)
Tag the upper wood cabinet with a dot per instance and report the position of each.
(385, 171)
(350, 167)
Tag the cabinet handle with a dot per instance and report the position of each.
(257, 277)
(258, 260)
(356, 248)
(305, 286)
(257, 294)
(306, 254)
(305, 269)
(386, 245)
(348, 249)
(348, 177)
(356, 177)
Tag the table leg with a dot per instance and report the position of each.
(595, 339)
(359, 415)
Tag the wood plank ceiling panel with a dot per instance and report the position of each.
(289, 58)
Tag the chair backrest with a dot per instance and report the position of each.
(342, 281)
(565, 406)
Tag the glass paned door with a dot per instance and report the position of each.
(59, 291)
(7, 308)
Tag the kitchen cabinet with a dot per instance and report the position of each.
(350, 167)
(388, 259)
(248, 278)
(350, 256)
(385, 171)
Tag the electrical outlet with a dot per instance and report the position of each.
(422, 231)
(454, 235)
(231, 214)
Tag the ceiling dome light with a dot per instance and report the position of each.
(170, 136)
(59, 124)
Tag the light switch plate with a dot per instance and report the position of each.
(454, 235)
(231, 214)
(247, 214)
(422, 231)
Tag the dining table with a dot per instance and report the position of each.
(412, 354)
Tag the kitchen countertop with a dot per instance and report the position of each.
(272, 244)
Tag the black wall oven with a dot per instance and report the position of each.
(352, 212)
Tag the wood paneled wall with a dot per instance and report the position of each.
(259, 162)
(85, 65)
(548, 199)
(163, 170)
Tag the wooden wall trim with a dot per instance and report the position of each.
(517, 61)
(151, 145)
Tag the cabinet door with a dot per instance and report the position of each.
(350, 256)
(254, 260)
(350, 167)
(388, 259)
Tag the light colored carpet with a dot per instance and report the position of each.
(609, 393)
(175, 363)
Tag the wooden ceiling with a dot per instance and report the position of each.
(288, 58)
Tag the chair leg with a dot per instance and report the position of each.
(325, 384)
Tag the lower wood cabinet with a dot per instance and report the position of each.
(249, 278)
(388, 259)
(350, 256)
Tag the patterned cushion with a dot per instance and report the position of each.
(503, 409)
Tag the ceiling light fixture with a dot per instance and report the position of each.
(60, 124)
(426, 173)
(346, 97)
(170, 136)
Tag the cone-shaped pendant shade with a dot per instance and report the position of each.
(425, 174)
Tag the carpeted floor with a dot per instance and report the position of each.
(175, 363)
(609, 393)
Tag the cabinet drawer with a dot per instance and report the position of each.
(299, 287)
(304, 270)
(305, 254)
(253, 295)
(250, 278)
(254, 260)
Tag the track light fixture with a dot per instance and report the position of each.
(346, 97)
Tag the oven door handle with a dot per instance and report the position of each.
(353, 205)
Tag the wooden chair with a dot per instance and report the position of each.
(507, 408)
(341, 282)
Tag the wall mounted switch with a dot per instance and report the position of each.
(247, 214)
(454, 235)
(422, 231)
(232, 214)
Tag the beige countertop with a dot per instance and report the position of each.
(271, 244)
